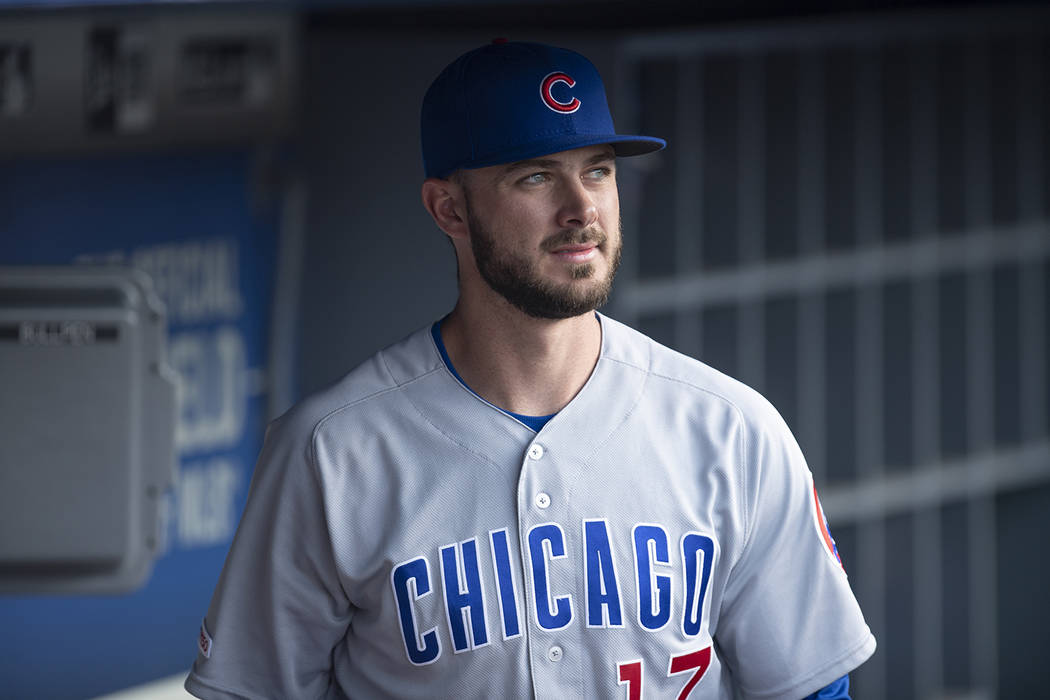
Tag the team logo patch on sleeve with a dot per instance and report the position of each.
(821, 522)
(204, 641)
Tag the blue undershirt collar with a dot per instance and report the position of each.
(536, 423)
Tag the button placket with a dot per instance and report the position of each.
(535, 453)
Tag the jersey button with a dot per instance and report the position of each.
(555, 653)
(542, 500)
(536, 451)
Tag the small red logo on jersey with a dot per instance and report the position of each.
(548, 97)
(824, 530)
(204, 641)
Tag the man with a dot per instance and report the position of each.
(528, 498)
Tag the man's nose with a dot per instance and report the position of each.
(578, 209)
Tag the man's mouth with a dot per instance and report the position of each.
(577, 246)
(579, 253)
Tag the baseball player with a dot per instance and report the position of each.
(528, 498)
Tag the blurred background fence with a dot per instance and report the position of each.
(854, 220)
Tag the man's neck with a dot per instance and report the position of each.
(522, 364)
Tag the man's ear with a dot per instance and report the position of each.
(445, 202)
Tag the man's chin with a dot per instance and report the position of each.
(572, 275)
(567, 303)
(561, 314)
(583, 271)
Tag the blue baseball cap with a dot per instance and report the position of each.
(509, 101)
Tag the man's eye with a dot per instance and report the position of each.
(599, 173)
(535, 178)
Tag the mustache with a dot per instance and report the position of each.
(577, 236)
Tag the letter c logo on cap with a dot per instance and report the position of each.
(548, 98)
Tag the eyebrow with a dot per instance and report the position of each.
(550, 163)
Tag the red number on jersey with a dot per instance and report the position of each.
(630, 674)
(700, 660)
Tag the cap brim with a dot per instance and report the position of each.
(637, 145)
(623, 145)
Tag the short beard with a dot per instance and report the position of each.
(515, 278)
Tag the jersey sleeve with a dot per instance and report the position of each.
(789, 624)
(279, 609)
(839, 690)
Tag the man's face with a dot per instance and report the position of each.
(545, 233)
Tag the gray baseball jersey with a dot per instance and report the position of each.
(659, 537)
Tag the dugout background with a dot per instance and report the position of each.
(852, 217)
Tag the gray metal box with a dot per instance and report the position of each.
(87, 420)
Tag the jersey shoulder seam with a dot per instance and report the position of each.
(679, 380)
(451, 439)
(314, 468)
(426, 419)
(422, 414)
(741, 438)
(397, 386)
(744, 472)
